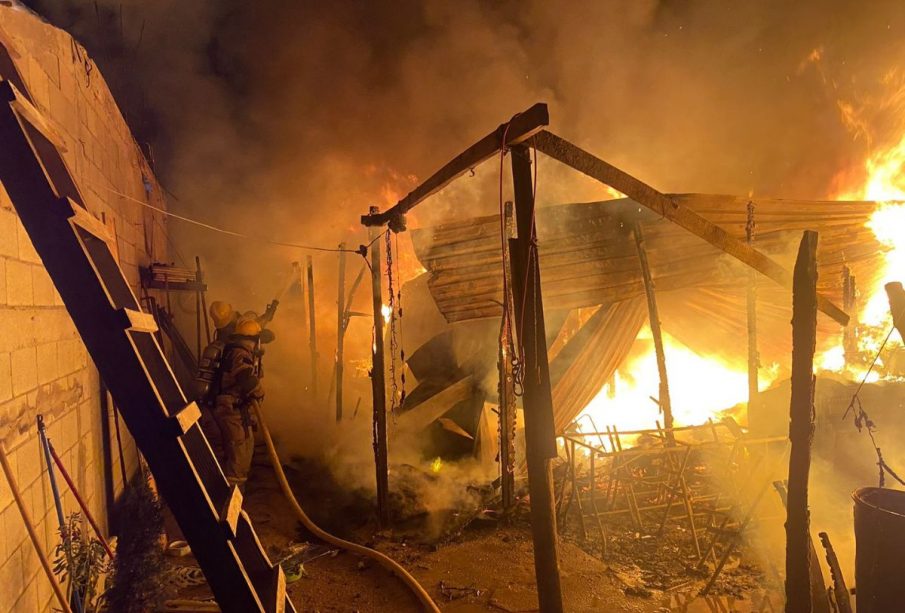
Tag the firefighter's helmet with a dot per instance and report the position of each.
(221, 313)
(248, 326)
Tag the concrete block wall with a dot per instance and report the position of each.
(44, 367)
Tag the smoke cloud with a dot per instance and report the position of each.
(287, 119)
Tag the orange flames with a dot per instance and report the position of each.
(701, 387)
(883, 182)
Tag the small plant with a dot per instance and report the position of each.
(80, 559)
(137, 581)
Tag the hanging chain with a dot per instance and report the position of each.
(394, 344)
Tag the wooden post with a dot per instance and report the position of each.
(198, 315)
(340, 330)
(540, 433)
(849, 340)
(653, 317)
(801, 425)
(378, 379)
(199, 277)
(751, 299)
(312, 328)
(507, 391)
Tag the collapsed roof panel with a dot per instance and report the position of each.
(588, 258)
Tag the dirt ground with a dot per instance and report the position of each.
(486, 567)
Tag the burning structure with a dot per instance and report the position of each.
(611, 376)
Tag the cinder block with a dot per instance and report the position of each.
(5, 203)
(24, 370)
(9, 241)
(14, 533)
(42, 287)
(48, 370)
(6, 378)
(46, 598)
(6, 498)
(68, 432)
(53, 325)
(19, 287)
(17, 328)
(11, 578)
(27, 251)
(30, 462)
(2, 281)
(28, 601)
(71, 356)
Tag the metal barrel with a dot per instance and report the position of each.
(879, 549)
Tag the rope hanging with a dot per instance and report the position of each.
(863, 421)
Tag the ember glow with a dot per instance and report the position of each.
(701, 387)
(885, 183)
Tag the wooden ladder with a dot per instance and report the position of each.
(76, 250)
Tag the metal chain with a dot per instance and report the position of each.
(394, 345)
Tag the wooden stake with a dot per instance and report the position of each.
(312, 328)
(849, 293)
(378, 379)
(30, 528)
(340, 330)
(653, 316)
(199, 277)
(801, 425)
(751, 299)
(540, 434)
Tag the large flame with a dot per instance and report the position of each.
(883, 182)
(700, 388)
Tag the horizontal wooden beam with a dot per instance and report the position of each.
(642, 193)
(521, 127)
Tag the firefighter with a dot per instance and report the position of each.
(237, 387)
(224, 318)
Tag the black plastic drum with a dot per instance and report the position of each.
(879, 550)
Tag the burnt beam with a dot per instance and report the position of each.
(517, 130)
(577, 158)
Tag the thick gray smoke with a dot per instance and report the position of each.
(286, 119)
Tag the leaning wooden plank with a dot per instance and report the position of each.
(642, 193)
(518, 129)
(429, 411)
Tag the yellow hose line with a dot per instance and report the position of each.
(388, 563)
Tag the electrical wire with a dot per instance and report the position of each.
(863, 420)
(385, 561)
(214, 228)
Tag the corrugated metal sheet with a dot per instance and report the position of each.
(588, 258)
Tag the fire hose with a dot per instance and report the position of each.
(388, 563)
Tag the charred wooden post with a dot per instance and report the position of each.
(312, 328)
(849, 292)
(839, 589)
(662, 204)
(378, 379)
(540, 434)
(751, 300)
(801, 426)
(654, 319)
(507, 388)
(199, 278)
(340, 330)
